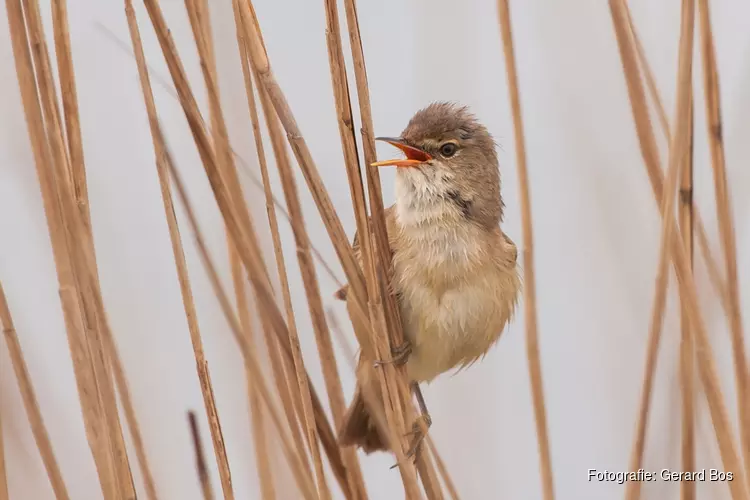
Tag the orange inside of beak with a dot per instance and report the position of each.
(414, 156)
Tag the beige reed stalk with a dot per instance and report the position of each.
(657, 177)
(73, 250)
(302, 476)
(529, 288)
(176, 241)
(687, 345)
(375, 193)
(284, 376)
(686, 282)
(90, 405)
(726, 224)
(330, 218)
(200, 23)
(242, 233)
(92, 318)
(383, 309)
(31, 405)
(677, 153)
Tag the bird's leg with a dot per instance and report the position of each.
(421, 424)
(399, 355)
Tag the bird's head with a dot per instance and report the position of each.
(450, 159)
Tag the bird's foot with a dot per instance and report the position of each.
(399, 355)
(418, 432)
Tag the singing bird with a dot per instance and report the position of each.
(454, 271)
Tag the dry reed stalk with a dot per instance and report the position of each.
(309, 278)
(657, 177)
(376, 252)
(687, 345)
(222, 145)
(260, 445)
(688, 222)
(242, 233)
(688, 294)
(443, 470)
(334, 227)
(84, 371)
(76, 218)
(200, 23)
(70, 106)
(726, 224)
(92, 320)
(176, 241)
(375, 192)
(328, 213)
(302, 476)
(288, 390)
(529, 288)
(312, 293)
(371, 398)
(31, 404)
(200, 459)
(245, 169)
(677, 153)
(246, 244)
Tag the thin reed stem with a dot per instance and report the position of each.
(657, 177)
(529, 288)
(285, 379)
(677, 153)
(687, 345)
(302, 476)
(200, 459)
(31, 405)
(726, 223)
(706, 363)
(335, 229)
(176, 242)
(200, 23)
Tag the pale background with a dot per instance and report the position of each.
(596, 232)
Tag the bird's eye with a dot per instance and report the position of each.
(448, 149)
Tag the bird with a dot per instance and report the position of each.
(454, 272)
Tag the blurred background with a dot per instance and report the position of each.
(596, 230)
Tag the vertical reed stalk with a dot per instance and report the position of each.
(177, 248)
(677, 151)
(706, 363)
(333, 225)
(89, 287)
(200, 23)
(31, 404)
(83, 368)
(687, 345)
(657, 177)
(285, 379)
(376, 201)
(726, 224)
(302, 476)
(200, 459)
(530, 315)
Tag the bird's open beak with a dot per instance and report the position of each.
(414, 156)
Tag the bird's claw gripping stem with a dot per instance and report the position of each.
(399, 355)
(418, 432)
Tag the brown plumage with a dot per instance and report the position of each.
(454, 270)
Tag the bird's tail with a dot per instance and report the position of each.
(359, 429)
